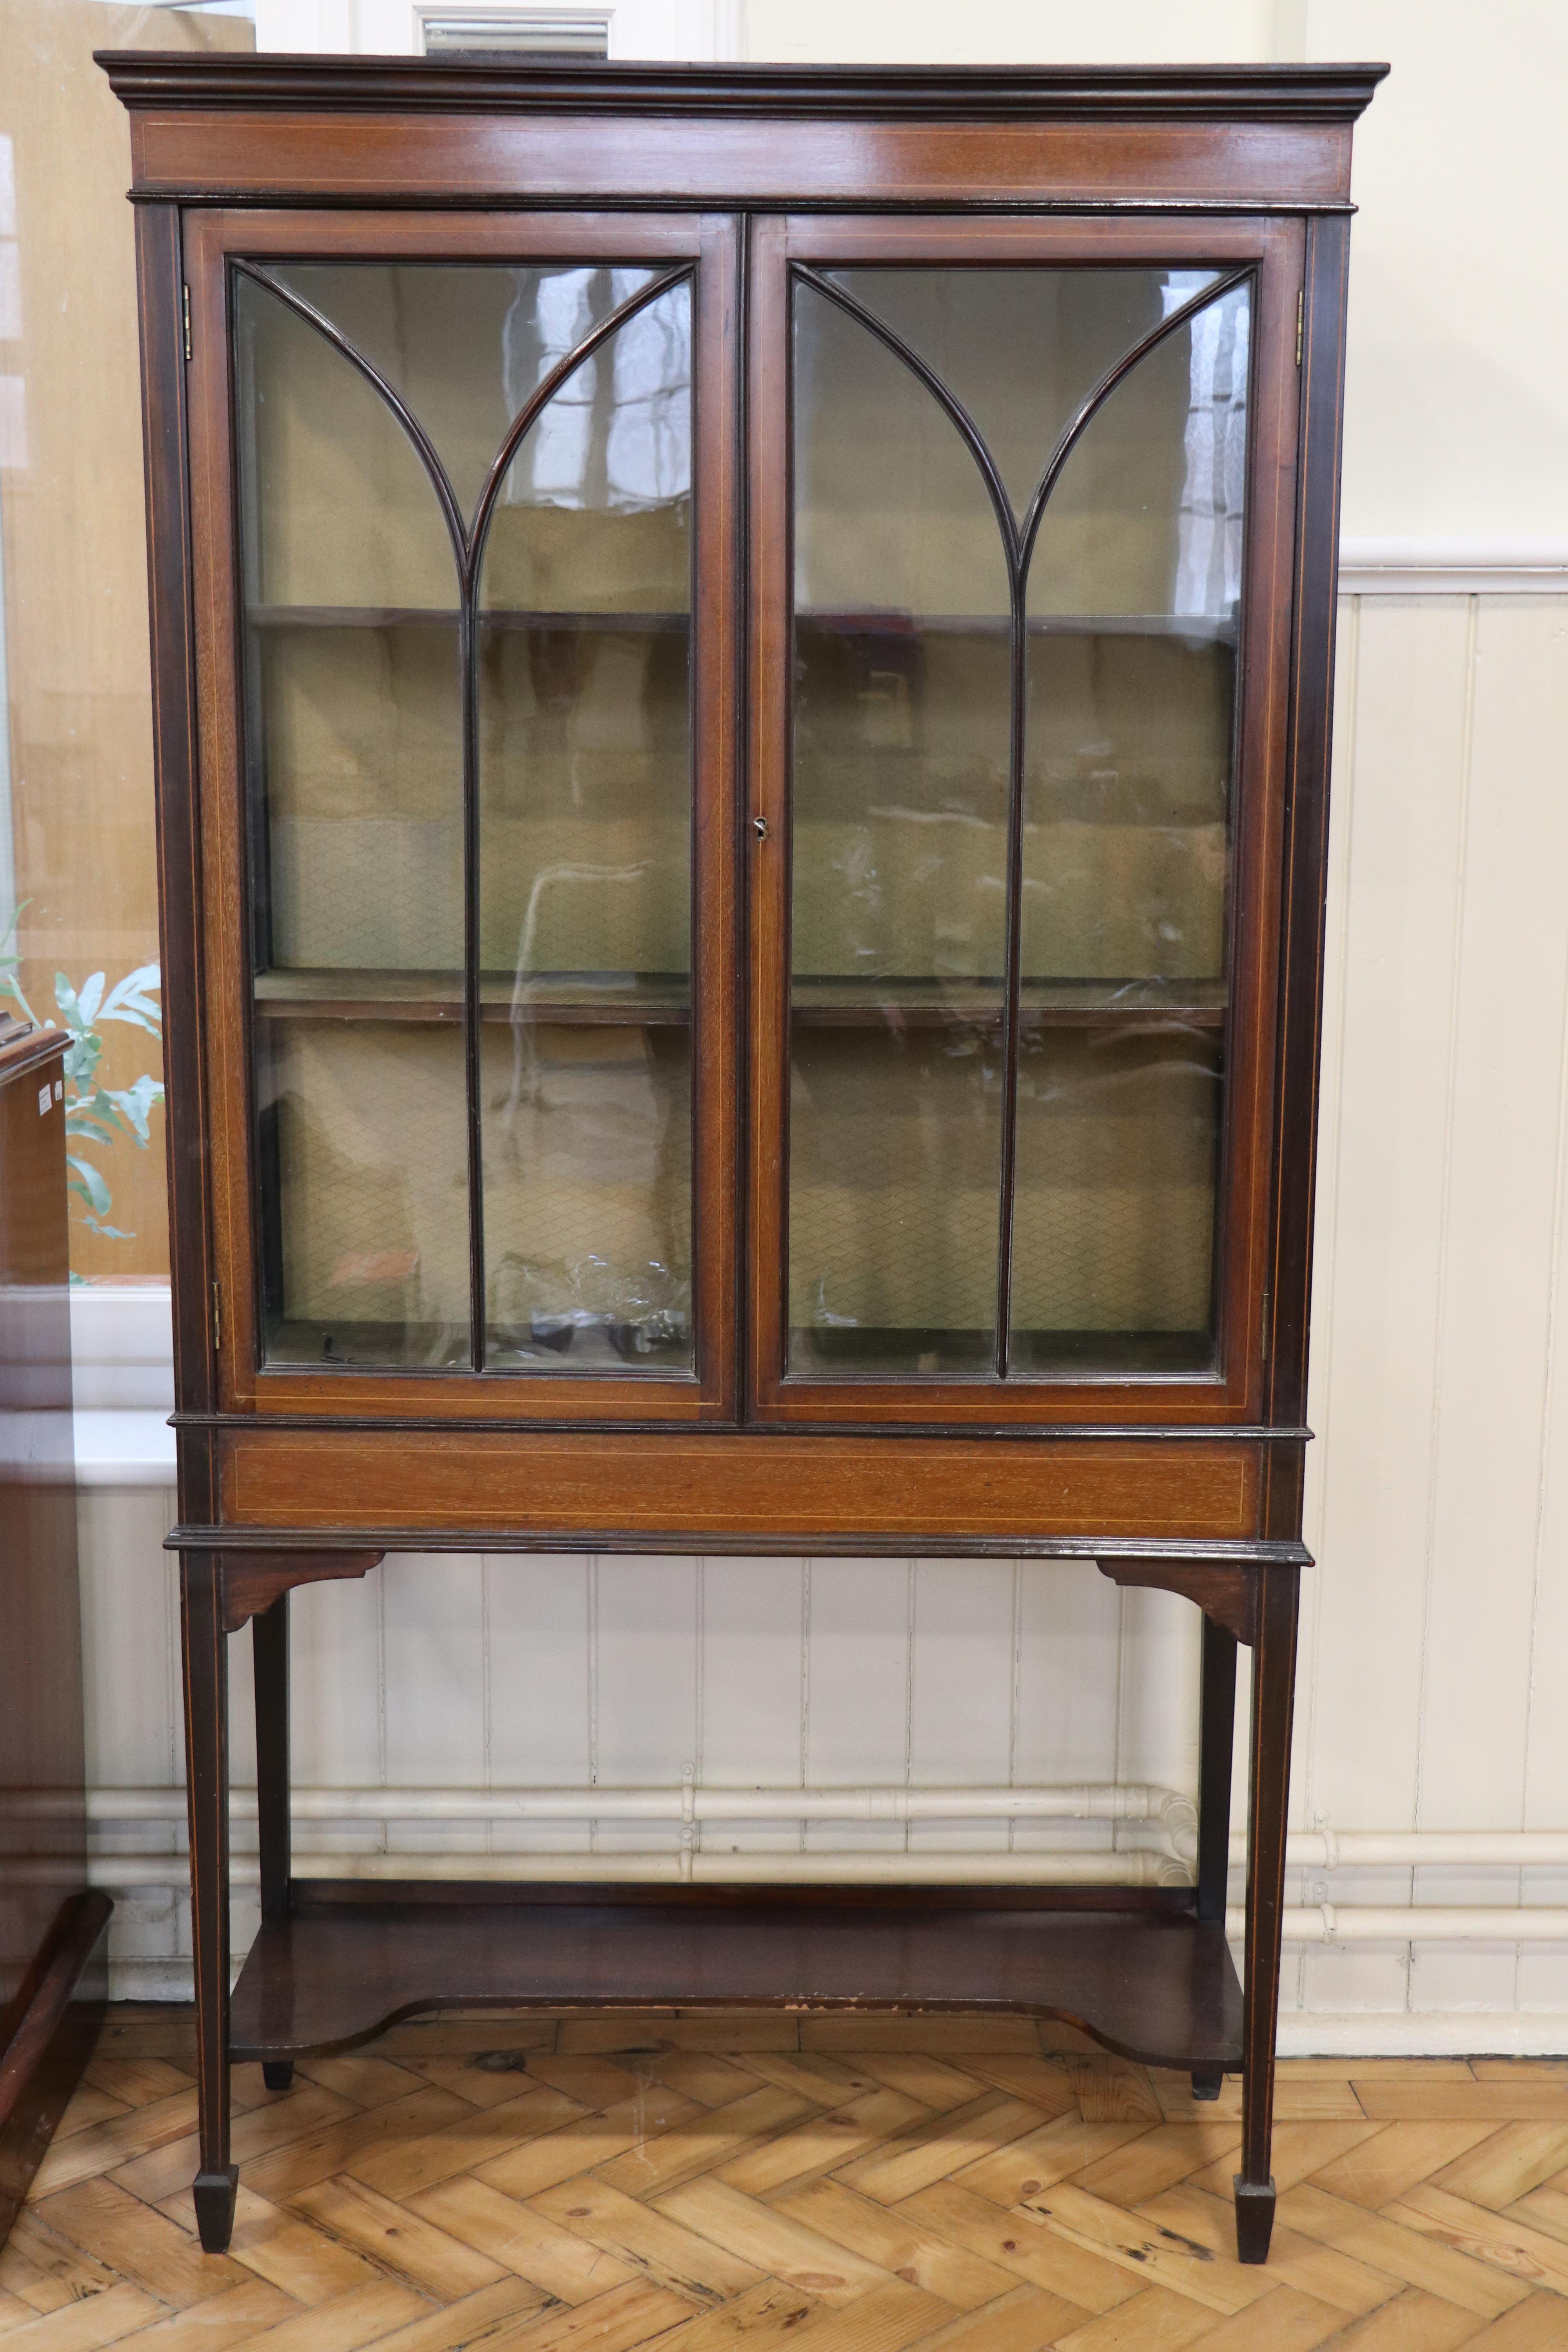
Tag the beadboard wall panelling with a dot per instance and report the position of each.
(1435, 1638)
(1435, 1648)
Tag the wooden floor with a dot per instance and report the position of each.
(737, 2184)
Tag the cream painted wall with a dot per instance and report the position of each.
(1456, 422)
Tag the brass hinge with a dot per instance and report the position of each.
(1300, 321)
(185, 308)
(218, 1319)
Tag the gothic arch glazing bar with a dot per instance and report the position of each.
(1019, 534)
(467, 540)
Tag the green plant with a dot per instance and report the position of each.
(96, 1115)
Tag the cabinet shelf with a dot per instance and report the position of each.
(415, 616)
(612, 999)
(901, 1002)
(1200, 629)
(1150, 1980)
(621, 998)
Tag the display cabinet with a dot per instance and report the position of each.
(742, 666)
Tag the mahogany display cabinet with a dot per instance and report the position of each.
(743, 665)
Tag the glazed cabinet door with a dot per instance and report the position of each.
(465, 572)
(1023, 506)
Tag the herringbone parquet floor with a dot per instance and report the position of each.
(738, 2184)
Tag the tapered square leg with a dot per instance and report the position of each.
(1253, 2219)
(213, 2194)
(1273, 1698)
(1218, 1710)
(278, 2073)
(269, 1660)
(205, 1643)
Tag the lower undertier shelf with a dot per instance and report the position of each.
(1151, 1983)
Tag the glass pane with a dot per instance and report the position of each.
(1114, 1212)
(353, 769)
(1133, 603)
(510, 326)
(894, 1143)
(899, 860)
(364, 1147)
(586, 855)
(1022, 348)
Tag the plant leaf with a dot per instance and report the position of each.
(96, 1125)
(135, 1000)
(134, 1102)
(91, 1184)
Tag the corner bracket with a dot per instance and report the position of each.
(253, 1580)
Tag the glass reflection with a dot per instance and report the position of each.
(904, 579)
(353, 765)
(1022, 348)
(363, 1145)
(586, 849)
(1133, 616)
(463, 344)
(899, 861)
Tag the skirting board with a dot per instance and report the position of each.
(1424, 2033)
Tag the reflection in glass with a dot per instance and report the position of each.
(353, 746)
(1133, 610)
(464, 344)
(893, 1172)
(914, 597)
(1022, 348)
(363, 1146)
(568, 577)
(585, 851)
(1114, 1212)
(899, 860)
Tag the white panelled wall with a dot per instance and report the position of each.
(1434, 1655)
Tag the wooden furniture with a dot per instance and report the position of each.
(743, 665)
(52, 1929)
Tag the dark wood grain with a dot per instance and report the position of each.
(718, 1486)
(1305, 882)
(254, 1581)
(1217, 1713)
(1227, 1596)
(1151, 1984)
(1239, 93)
(159, 284)
(1268, 1797)
(205, 1657)
(270, 1651)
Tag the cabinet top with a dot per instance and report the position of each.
(1290, 93)
(442, 130)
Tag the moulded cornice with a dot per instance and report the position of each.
(1316, 93)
